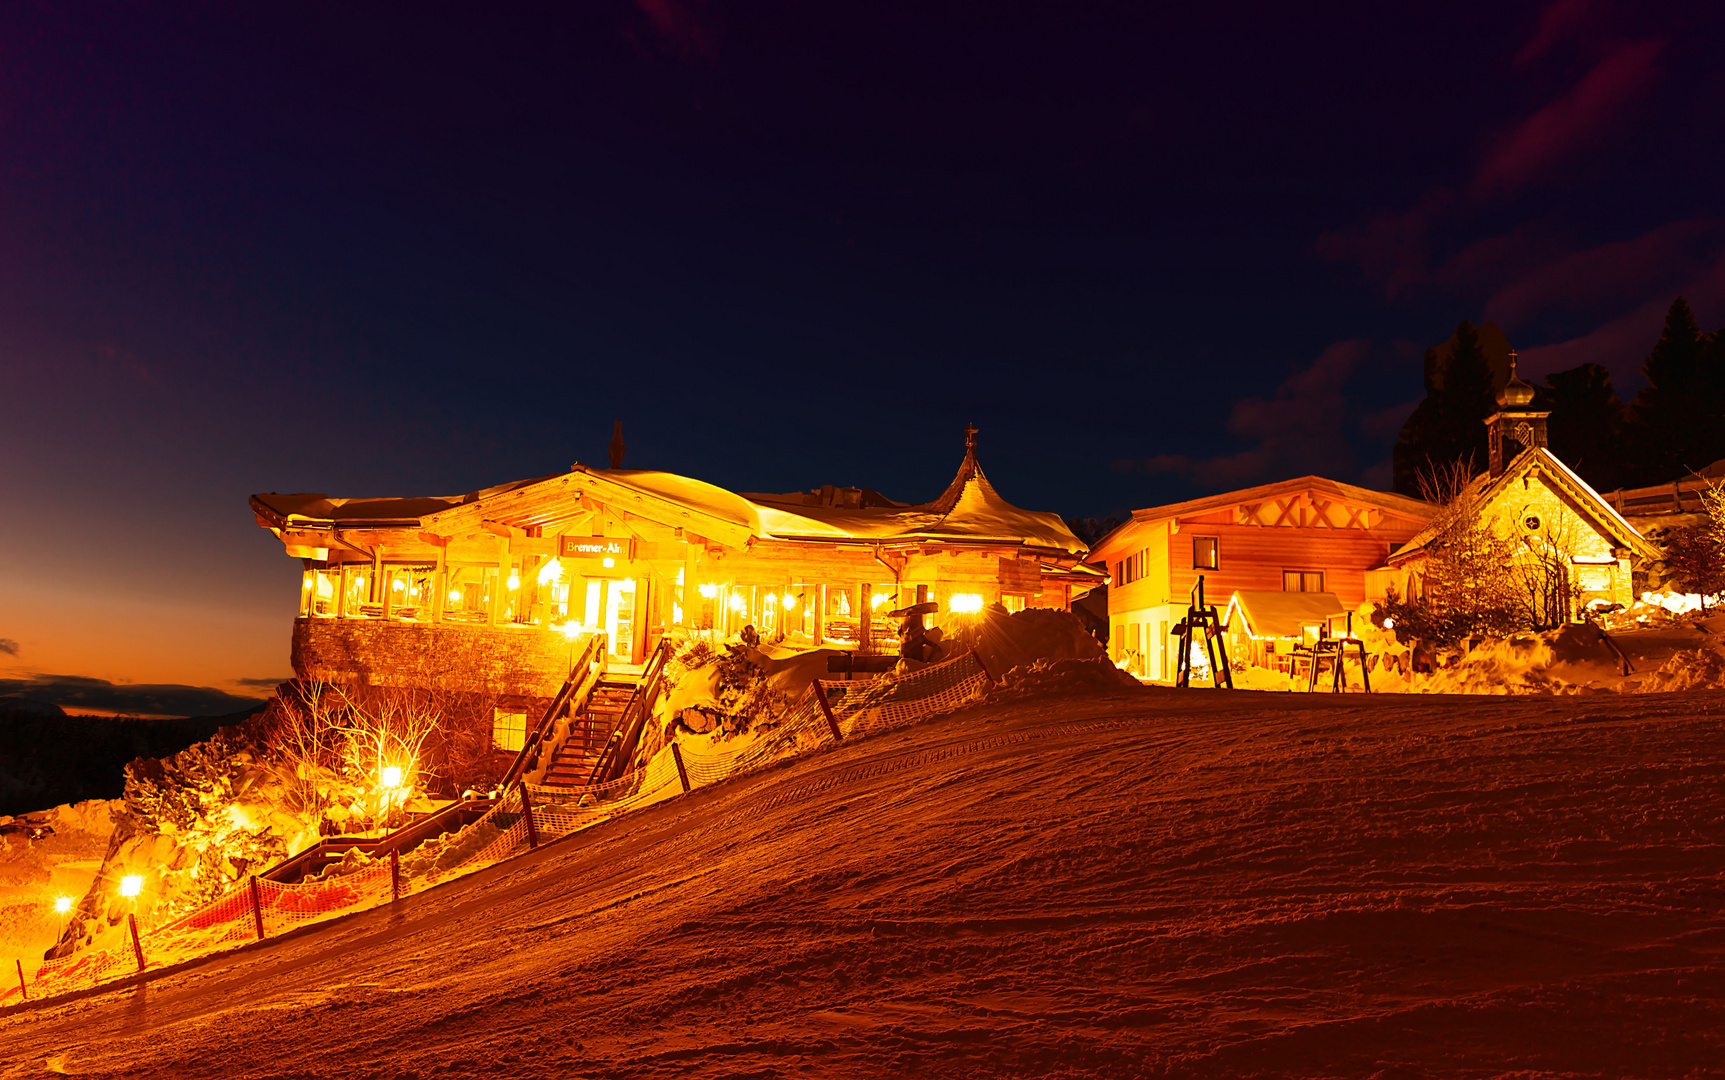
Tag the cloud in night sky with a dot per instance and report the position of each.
(74, 692)
(1561, 128)
(1557, 22)
(1301, 429)
(8, 646)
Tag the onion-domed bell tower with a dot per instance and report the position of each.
(1514, 421)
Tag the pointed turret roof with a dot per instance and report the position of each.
(969, 509)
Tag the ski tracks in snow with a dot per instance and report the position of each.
(1155, 884)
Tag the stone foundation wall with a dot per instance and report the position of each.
(525, 661)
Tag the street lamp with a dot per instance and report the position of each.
(130, 886)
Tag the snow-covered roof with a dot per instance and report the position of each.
(315, 509)
(1123, 538)
(968, 510)
(1265, 613)
(1485, 488)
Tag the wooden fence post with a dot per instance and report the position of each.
(527, 810)
(137, 946)
(257, 907)
(21, 988)
(682, 773)
(394, 875)
(827, 711)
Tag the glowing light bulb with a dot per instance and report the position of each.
(570, 630)
(608, 562)
(455, 596)
(389, 776)
(707, 590)
(790, 602)
(62, 904)
(965, 603)
(738, 604)
(131, 885)
(1389, 624)
(514, 581)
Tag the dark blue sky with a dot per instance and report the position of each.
(1150, 250)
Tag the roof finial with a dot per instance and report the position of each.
(1512, 363)
(617, 446)
(970, 438)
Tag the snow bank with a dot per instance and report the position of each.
(1060, 676)
(1005, 640)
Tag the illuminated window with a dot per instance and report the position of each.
(1012, 603)
(1302, 581)
(1206, 553)
(508, 730)
(467, 593)
(358, 598)
(841, 622)
(1132, 567)
(408, 589)
(318, 592)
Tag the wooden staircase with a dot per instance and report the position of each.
(591, 729)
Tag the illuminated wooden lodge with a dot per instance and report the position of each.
(526, 572)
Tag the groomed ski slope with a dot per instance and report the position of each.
(1133, 884)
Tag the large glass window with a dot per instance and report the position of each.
(318, 593)
(359, 600)
(841, 621)
(1302, 581)
(409, 591)
(468, 592)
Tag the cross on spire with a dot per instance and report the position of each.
(970, 436)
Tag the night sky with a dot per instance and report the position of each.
(1151, 251)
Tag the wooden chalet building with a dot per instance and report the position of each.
(1343, 545)
(527, 571)
(1307, 535)
(1534, 497)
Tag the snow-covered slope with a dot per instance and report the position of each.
(1125, 884)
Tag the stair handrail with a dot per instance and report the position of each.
(619, 750)
(586, 669)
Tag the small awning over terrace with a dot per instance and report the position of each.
(1267, 614)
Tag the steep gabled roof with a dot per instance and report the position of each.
(1401, 505)
(1485, 489)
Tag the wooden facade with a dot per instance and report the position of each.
(515, 578)
(1303, 535)
(1540, 500)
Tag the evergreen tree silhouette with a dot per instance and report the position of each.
(1679, 416)
(1587, 425)
(1449, 425)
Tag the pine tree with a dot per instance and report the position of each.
(1449, 425)
(1587, 424)
(1679, 416)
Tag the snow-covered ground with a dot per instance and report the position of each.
(34, 872)
(1103, 883)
